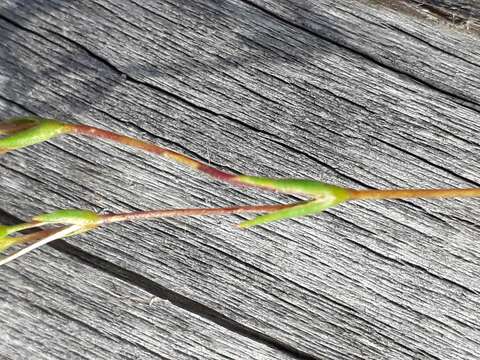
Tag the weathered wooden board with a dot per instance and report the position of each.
(68, 310)
(439, 53)
(322, 89)
(462, 14)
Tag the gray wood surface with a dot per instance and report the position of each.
(69, 310)
(362, 94)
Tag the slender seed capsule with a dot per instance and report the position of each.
(26, 131)
(69, 216)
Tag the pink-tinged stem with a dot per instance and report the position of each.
(154, 149)
(106, 219)
(412, 193)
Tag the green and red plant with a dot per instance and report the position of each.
(25, 131)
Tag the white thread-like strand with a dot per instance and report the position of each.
(57, 235)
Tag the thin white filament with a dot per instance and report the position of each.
(56, 235)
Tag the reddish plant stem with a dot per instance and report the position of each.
(106, 219)
(412, 193)
(154, 149)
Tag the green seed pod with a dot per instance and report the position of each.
(325, 196)
(314, 188)
(26, 131)
(69, 216)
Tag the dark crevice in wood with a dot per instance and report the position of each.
(348, 101)
(429, 214)
(174, 298)
(471, 104)
(420, 40)
(114, 69)
(418, 157)
(462, 15)
(132, 79)
(463, 323)
(16, 24)
(178, 300)
(20, 106)
(466, 221)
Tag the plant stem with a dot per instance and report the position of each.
(43, 237)
(154, 149)
(111, 218)
(412, 193)
(292, 186)
(46, 237)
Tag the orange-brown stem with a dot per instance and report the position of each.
(154, 149)
(412, 193)
(192, 212)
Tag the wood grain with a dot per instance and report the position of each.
(69, 310)
(353, 93)
(463, 14)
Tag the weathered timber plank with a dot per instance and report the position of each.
(254, 93)
(463, 14)
(434, 52)
(58, 308)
